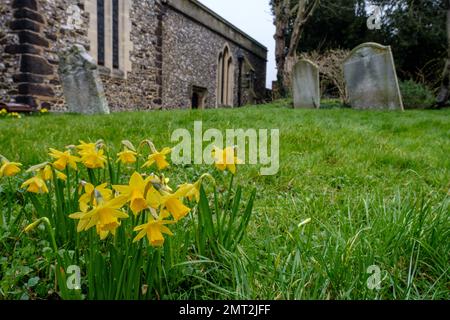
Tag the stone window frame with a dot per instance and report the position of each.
(225, 77)
(125, 43)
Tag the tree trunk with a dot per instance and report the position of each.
(286, 49)
(444, 93)
(281, 23)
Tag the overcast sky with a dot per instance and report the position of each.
(254, 17)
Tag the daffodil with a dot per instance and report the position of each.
(46, 173)
(135, 193)
(127, 156)
(159, 158)
(105, 216)
(170, 202)
(154, 230)
(9, 169)
(35, 185)
(191, 191)
(88, 198)
(92, 155)
(63, 159)
(226, 159)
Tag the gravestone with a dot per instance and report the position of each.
(82, 86)
(306, 85)
(371, 78)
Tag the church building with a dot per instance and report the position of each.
(151, 54)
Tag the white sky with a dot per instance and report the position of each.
(254, 17)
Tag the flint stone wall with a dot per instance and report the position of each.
(170, 53)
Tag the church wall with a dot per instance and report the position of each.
(9, 63)
(141, 87)
(164, 54)
(191, 52)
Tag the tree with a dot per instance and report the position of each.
(444, 92)
(290, 21)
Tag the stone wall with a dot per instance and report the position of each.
(169, 53)
(9, 64)
(141, 89)
(191, 53)
(61, 38)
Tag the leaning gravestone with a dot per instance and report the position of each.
(82, 86)
(371, 79)
(306, 85)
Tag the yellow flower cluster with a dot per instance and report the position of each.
(103, 208)
(106, 205)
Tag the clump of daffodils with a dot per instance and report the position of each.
(113, 189)
(4, 113)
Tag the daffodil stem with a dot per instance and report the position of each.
(92, 176)
(110, 168)
(117, 174)
(59, 276)
(68, 190)
(119, 283)
(10, 204)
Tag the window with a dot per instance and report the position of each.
(225, 78)
(109, 34)
(115, 35)
(101, 32)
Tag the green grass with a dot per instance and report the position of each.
(375, 185)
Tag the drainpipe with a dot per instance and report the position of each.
(240, 60)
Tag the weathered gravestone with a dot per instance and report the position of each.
(82, 86)
(306, 85)
(371, 79)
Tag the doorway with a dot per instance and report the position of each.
(198, 98)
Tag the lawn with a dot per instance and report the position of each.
(375, 186)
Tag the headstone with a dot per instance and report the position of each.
(306, 85)
(371, 79)
(83, 89)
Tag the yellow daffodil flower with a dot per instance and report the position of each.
(226, 159)
(191, 191)
(135, 193)
(35, 185)
(105, 216)
(91, 156)
(170, 202)
(88, 198)
(127, 156)
(159, 158)
(46, 174)
(154, 231)
(9, 169)
(63, 159)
